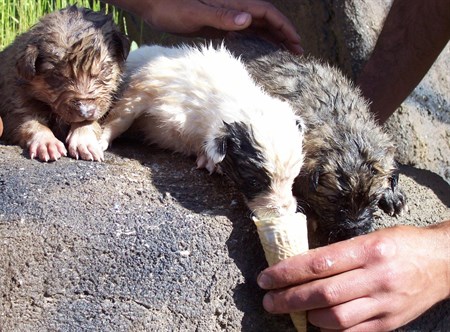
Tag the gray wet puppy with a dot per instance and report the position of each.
(58, 79)
(349, 168)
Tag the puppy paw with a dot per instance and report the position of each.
(105, 139)
(204, 162)
(393, 202)
(46, 147)
(83, 144)
(103, 144)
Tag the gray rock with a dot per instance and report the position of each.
(145, 242)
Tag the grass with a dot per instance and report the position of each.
(17, 16)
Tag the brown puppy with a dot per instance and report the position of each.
(58, 79)
(349, 167)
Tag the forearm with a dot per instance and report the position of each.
(414, 34)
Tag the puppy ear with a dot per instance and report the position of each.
(122, 45)
(26, 64)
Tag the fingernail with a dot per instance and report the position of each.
(264, 281)
(268, 302)
(241, 18)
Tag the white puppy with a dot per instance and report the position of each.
(201, 101)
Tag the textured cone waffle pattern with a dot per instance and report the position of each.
(281, 238)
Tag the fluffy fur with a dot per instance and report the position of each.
(201, 101)
(58, 79)
(349, 166)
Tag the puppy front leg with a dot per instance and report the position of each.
(82, 141)
(34, 135)
(119, 120)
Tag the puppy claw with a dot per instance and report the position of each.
(45, 147)
(211, 167)
(201, 161)
(83, 144)
(204, 162)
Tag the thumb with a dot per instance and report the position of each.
(227, 19)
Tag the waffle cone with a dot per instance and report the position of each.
(281, 238)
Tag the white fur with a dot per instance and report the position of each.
(181, 97)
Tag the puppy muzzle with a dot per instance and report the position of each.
(351, 224)
(87, 110)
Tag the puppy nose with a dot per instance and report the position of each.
(86, 109)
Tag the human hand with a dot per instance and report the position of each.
(214, 18)
(375, 282)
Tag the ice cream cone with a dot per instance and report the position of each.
(284, 237)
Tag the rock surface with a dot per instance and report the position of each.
(146, 242)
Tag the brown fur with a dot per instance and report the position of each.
(58, 79)
(349, 167)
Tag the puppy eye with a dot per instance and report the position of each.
(255, 184)
(372, 169)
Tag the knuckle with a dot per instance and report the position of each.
(319, 265)
(343, 318)
(222, 13)
(382, 249)
(390, 279)
(329, 294)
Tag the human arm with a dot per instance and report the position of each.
(413, 35)
(195, 17)
(375, 282)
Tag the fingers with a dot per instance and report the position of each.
(261, 16)
(356, 315)
(228, 19)
(345, 301)
(314, 264)
(321, 293)
(277, 26)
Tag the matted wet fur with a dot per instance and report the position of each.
(58, 79)
(349, 167)
(201, 101)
